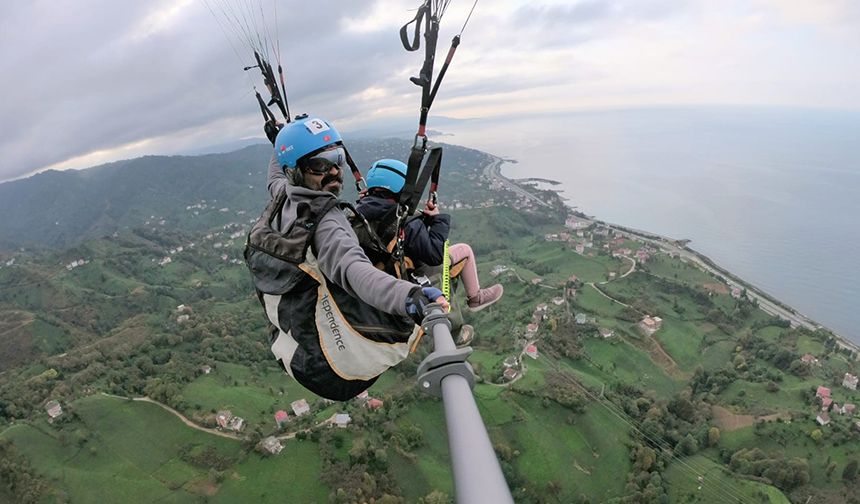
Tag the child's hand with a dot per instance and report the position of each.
(431, 209)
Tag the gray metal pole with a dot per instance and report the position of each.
(478, 477)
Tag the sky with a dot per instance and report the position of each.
(93, 81)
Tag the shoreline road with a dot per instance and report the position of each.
(793, 317)
(493, 171)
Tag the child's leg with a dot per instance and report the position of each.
(459, 252)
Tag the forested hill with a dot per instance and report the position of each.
(58, 209)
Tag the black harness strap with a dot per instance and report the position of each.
(404, 31)
(430, 169)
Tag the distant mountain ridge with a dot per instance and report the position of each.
(58, 209)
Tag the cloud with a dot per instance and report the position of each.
(97, 80)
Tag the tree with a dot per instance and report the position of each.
(850, 471)
(816, 435)
(713, 436)
(435, 497)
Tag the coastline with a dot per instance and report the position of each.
(767, 302)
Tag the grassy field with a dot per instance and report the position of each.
(251, 396)
(583, 457)
(429, 468)
(132, 454)
(130, 449)
(291, 476)
(588, 299)
(628, 364)
(793, 440)
(716, 485)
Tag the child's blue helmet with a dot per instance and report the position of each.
(302, 137)
(387, 174)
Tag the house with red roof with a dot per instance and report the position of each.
(532, 351)
(375, 403)
(281, 417)
(822, 392)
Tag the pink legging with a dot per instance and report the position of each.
(459, 252)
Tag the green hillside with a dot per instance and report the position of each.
(714, 405)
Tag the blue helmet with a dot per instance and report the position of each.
(302, 137)
(387, 174)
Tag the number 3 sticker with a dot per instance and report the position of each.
(316, 126)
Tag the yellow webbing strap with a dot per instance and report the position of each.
(446, 273)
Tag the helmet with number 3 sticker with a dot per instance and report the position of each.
(304, 136)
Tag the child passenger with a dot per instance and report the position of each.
(425, 236)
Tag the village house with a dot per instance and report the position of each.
(531, 329)
(183, 318)
(53, 409)
(206, 369)
(532, 351)
(580, 248)
(509, 374)
(511, 361)
(850, 381)
(536, 280)
(498, 269)
(342, 420)
(300, 407)
(575, 223)
(558, 301)
(374, 403)
(223, 417)
(237, 424)
(363, 397)
(651, 324)
(612, 275)
(581, 318)
(823, 418)
(826, 402)
(272, 445)
(281, 417)
(736, 292)
(822, 392)
(809, 359)
(605, 332)
(541, 308)
(848, 409)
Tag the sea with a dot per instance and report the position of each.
(771, 194)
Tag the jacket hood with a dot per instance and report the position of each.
(374, 207)
(296, 195)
